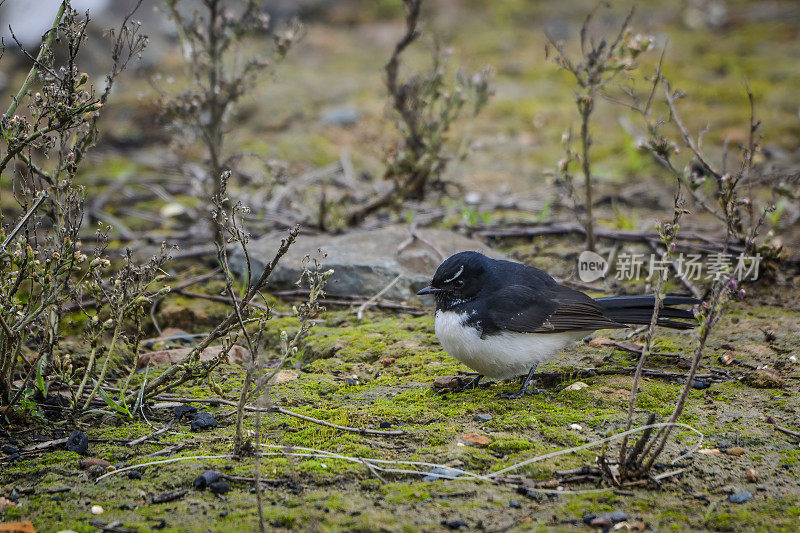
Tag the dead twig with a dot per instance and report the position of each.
(350, 301)
(363, 307)
(281, 410)
(156, 433)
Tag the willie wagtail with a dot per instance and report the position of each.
(502, 318)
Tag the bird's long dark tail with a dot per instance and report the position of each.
(639, 310)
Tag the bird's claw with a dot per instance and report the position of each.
(520, 393)
(474, 383)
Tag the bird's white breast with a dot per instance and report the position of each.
(500, 356)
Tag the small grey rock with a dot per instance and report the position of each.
(740, 497)
(605, 519)
(341, 116)
(482, 417)
(442, 472)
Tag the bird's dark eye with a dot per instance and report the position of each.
(458, 283)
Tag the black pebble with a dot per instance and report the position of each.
(133, 474)
(699, 384)
(219, 487)
(454, 524)
(183, 410)
(203, 420)
(385, 424)
(205, 479)
(610, 518)
(9, 449)
(516, 504)
(78, 442)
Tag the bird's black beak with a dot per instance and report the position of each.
(429, 290)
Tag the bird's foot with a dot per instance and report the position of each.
(474, 383)
(520, 393)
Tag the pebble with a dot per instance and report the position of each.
(183, 410)
(576, 427)
(442, 472)
(133, 474)
(482, 417)
(9, 449)
(203, 420)
(605, 519)
(515, 504)
(793, 358)
(385, 424)
(219, 487)
(205, 479)
(736, 451)
(454, 524)
(740, 497)
(578, 385)
(700, 384)
(96, 509)
(89, 462)
(341, 116)
(78, 442)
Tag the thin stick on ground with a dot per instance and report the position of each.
(283, 411)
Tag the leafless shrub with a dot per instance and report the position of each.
(598, 64)
(729, 205)
(425, 106)
(250, 321)
(45, 133)
(190, 368)
(211, 39)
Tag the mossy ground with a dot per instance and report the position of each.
(344, 380)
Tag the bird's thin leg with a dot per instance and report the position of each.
(474, 383)
(524, 388)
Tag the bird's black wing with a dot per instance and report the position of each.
(556, 309)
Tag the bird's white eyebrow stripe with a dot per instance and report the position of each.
(460, 270)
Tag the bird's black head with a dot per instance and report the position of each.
(459, 279)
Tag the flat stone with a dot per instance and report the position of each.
(237, 354)
(364, 261)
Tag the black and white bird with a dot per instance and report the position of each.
(502, 319)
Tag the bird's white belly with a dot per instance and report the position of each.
(501, 356)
